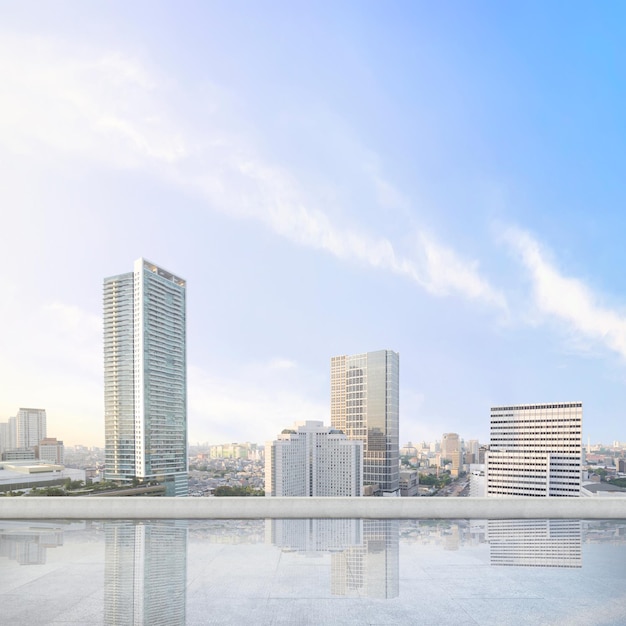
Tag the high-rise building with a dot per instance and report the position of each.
(30, 427)
(471, 451)
(145, 377)
(4, 437)
(364, 404)
(535, 450)
(313, 460)
(451, 452)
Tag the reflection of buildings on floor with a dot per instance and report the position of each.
(364, 553)
(28, 542)
(145, 573)
(314, 535)
(535, 543)
(372, 569)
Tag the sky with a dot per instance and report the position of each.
(445, 180)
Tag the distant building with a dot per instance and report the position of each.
(472, 451)
(30, 427)
(364, 404)
(408, 450)
(145, 377)
(24, 474)
(4, 437)
(51, 450)
(235, 451)
(19, 454)
(535, 450)
(451, 451)
(313, 460)
(601, 490)
(477, 484)
(409, 483)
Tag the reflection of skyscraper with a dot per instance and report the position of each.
(315, 535)
(535, 450)
(371, 570)
(535, 543)
(145, 380)
(145, 575)
(364, 553)
(28, 543)
(364, 404)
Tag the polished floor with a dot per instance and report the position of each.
(476, 572)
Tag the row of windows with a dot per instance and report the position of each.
(535, 407)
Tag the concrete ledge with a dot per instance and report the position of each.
(298, 508)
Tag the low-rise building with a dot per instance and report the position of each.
(409, 483)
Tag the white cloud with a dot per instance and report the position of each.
(568, 299)
(111, 107)
(77, 101)
(444, 271)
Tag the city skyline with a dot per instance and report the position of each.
(441, 179)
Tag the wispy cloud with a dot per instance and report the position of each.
(269, 194)
(111, 106)
(568, 299)
(78, 101)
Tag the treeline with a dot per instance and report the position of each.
(432, 481)
(238, 491)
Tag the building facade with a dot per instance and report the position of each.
(313, 460)
(145, 377)
(51, 450)
(364, 404)
(451, 452)
(535, 450)
(30, 427)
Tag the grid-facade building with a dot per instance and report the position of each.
(364, 404)
(145, 377)
(535, 543)
(30, 427)
(535, 450)
(313, 460)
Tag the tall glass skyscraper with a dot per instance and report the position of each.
(145, 377)
(364, 404)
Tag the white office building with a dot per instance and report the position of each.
(364, 404)
(313, 460)
(535, 450)
(51, 450)
(30, 427)
(145, 377)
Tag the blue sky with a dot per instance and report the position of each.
(441, 179)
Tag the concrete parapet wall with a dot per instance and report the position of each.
(299, 508)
